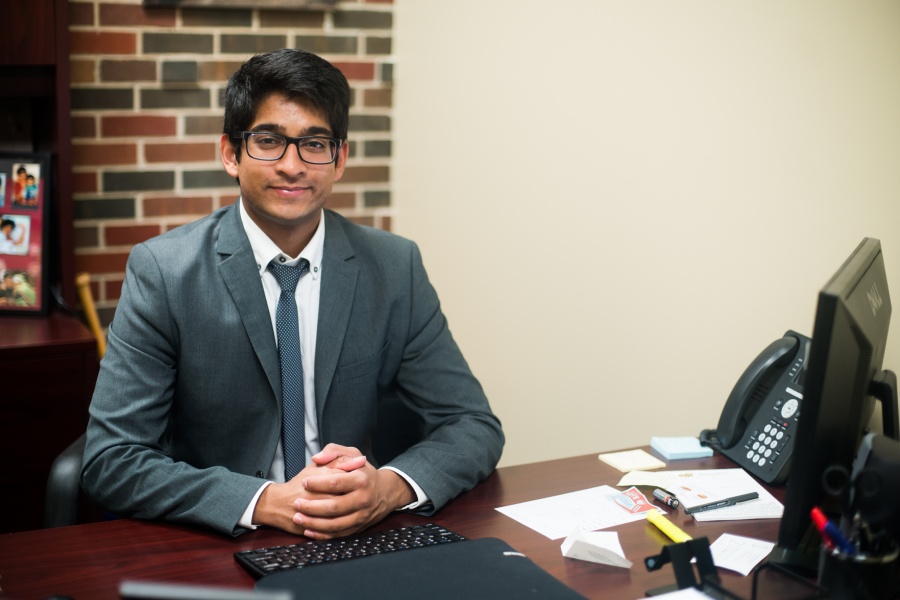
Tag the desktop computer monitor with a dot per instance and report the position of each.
(845, 358)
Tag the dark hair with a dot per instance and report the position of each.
(6, 222)
(29, 177)
(21, 170)
(300, 75)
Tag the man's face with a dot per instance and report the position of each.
(286, 192)
(7, 230)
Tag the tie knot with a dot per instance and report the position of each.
(288, 277)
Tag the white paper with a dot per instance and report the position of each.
(693, 488)
(688, 593)
(557, 516)
(661, 479)
(737, 553)
(595, 546)
(631, 460)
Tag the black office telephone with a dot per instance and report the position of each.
(758, 425)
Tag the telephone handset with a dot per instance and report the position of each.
(758, 425)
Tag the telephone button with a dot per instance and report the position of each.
(755, 458)
(762, 461)
(768, 441)
(750, 454)
(778, 403)
(779, 435)
(789, 408)
(767, 428)
(755, 446)
(768, 453)
(761, 437)
(773, 444)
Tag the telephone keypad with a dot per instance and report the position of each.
(765, 448)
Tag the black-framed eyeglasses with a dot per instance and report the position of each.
(313, 149)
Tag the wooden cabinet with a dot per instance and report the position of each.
(48, 365)
(48, 368)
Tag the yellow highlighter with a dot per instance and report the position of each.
(667, 527)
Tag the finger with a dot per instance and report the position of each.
(332, 451)
(346, 463)
(336, 483)
(324, 528)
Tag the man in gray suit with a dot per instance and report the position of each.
(253, 350)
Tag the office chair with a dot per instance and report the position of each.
(63, 484)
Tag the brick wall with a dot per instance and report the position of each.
(146, 116)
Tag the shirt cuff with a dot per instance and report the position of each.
(421, 497)
(247, 518)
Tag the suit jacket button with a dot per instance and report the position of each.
(260, 474)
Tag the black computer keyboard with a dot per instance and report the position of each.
(266, 561)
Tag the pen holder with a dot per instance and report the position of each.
(862, 577)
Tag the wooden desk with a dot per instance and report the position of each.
(89, 561)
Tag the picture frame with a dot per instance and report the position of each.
(25, 208)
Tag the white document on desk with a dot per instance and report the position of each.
(693, 488)
(557, 516)
(738, 553)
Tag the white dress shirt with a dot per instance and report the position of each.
(307, 297)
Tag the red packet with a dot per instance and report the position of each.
(633, 501)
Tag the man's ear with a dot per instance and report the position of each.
(229, 160)
(341, 161)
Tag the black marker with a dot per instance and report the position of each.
(665, 498)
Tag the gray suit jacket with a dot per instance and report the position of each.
(186, 415)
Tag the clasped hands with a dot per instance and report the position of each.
(339, 494)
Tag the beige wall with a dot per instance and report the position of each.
(622, 203)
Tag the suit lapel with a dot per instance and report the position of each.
(241, 276)
(339, 275)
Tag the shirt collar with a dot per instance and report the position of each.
(265, 250)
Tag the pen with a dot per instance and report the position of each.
(666, 498)
(667, 527)
(831, 531)
(720, 503)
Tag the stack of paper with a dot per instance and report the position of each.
(674, 448)
(631, 460)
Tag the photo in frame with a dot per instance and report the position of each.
(24, 232)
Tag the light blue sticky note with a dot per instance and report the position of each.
(674, 448)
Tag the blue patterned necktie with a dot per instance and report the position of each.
(293, 434)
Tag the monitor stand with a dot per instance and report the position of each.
(884, 387)
(804, 559)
